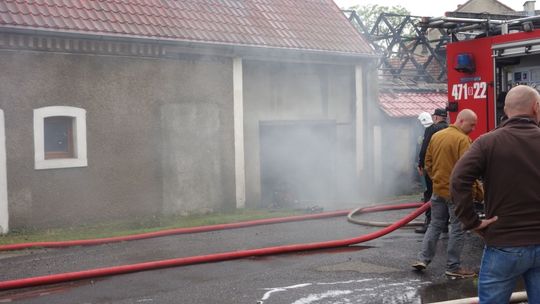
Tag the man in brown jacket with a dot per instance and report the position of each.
(444, 150)
(508, 159)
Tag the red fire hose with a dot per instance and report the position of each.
(99, 272)
(21, 246)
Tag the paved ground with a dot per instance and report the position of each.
(377, 271)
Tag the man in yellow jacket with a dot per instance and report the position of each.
(445, 149)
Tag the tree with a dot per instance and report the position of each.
(389, 28)
(370, 14)
(403, 45)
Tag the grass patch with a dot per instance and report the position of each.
(151, 224)
(139, 225)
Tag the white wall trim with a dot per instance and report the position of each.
(377, 155)
(4, 210)
(79, 136)
(359, 102)
(239, 160)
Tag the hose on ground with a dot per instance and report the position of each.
(516, 297)
(357, 211)
(115, 270)
(167, 232)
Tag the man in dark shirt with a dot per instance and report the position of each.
(508, 159)
(439, 123)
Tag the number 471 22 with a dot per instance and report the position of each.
(476, 90)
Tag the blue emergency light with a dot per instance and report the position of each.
(465, 63)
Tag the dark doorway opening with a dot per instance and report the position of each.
(297, 162)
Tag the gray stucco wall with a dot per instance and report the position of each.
(197, 162)
(401, 147)
(126, 99)
(300, 94)
(394, 167)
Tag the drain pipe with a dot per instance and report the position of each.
(108, 271)
(516, 297)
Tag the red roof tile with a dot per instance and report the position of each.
(299, 24)
(409, 104)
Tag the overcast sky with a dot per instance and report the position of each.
(423, 8)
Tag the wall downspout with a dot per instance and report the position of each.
(239, 160)
(359, 105)
(4, 212)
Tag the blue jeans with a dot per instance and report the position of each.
(441, 210)
(500, 270)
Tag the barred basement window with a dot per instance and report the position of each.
(59, 137)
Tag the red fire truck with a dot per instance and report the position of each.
(482, 70)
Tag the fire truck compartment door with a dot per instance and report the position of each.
(517, 48)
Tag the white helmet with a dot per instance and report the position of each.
(425, 119)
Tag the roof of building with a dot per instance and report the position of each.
(481, 6)
(410, 104)
(290, 24)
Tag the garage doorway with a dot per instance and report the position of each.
(298, 163)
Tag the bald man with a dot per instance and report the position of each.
(444, 150)
(508, 159)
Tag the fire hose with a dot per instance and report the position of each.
(167, 232)
(351, 217)
(122, 269)
(516, 297)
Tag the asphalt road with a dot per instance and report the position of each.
(377, 271)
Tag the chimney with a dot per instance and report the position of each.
(529, 8)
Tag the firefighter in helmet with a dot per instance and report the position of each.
(432, 123)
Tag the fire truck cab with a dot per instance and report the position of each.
(482, 70)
